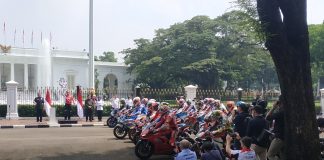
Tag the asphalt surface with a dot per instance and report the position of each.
(76, 143)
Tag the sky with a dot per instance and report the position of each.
(117, 23)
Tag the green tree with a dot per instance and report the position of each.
(106, 57)
(316, 41)
(200, 51)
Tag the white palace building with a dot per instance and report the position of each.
(41, 67)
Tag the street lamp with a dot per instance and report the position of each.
(239, 93)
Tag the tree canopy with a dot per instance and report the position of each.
(203, 51)
(106, 57)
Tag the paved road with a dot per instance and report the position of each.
(93, 143)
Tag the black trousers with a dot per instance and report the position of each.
(39, 115)
(99, 112)
(67, 112)
(89, 114)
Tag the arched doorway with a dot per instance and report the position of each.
(110, 84)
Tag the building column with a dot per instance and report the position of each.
(26, 76)
(12, 71)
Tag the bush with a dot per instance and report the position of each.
(29, 110)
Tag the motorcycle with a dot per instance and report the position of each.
(152, 143)
(123, 128)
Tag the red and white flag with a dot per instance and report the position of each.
(79, 102)
(48, 102)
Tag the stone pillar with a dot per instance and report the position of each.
(12, 110)
(191, 92)
(322, 101)
(26, 76)
(12, 71)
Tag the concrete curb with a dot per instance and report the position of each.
(51, 126)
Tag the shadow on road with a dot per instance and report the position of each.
(121, 154)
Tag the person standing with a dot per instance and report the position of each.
(129, 103)
(39, 105)
(276, 115)
(99, 106)
(254, 130)
(115, 103)
(68, 105)
(87, 105)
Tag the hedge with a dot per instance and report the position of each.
(29, 110)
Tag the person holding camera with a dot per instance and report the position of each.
(276, 115)
(255, 130)
(245, 153)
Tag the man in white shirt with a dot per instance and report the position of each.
(245, 153)
(115, 103)
(129, 103)
(99, 105)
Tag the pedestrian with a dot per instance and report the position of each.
(88, 104)
(186, 153)
(99, 106)
(39, 106)
(115, 103)
(68, 105)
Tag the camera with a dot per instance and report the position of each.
(233, 135)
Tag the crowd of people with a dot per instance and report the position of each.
(256, 132)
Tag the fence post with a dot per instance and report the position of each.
(12, 111)
(191, 92)
(239, 93)
(137, 91)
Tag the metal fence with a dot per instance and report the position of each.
(58, 94)
(58, 98)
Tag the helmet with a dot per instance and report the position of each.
(216, 114)
(164, 107)
(144, 100)
(136, 101)
(122, 101)
(182, 101)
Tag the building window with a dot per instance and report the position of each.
(70, 81)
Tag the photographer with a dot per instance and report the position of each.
(255, 129)
(245, 153)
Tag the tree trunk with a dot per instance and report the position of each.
(287, 41)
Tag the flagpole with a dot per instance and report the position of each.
(91, 58)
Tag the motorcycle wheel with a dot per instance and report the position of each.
(120, 132)
(131, 134)
(111, 122)
(144, 149)
(136, 137)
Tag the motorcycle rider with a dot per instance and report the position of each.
(137, 108)
(167, 123)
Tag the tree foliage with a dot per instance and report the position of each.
(203, 51)
(106, 57)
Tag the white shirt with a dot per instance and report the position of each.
(129, 102)
(99, 105)
(115, 103)
(247, 155)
